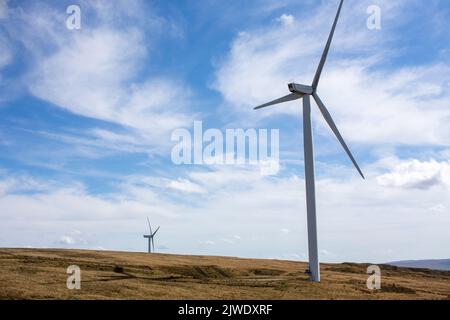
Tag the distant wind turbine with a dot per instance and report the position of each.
(299, 91)
(150, 237)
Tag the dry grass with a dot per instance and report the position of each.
(41, 274)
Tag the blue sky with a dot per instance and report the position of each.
(86, 118)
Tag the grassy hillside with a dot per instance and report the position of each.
(41, 274)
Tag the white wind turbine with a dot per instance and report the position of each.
(150, 237)
(299, 91)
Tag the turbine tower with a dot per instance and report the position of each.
(299, 91)
(150, 237)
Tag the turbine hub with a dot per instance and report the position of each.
(300, 89)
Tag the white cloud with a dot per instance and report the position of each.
(95, 85)
(23, 183)
(371, 104)
(262, 61)
(357, 219)
(74, 202)
(187, 186)
(74, 237)
(269, 167)
(381, 109)
(86, 76)
(94, 72)
(67, 240)
(417, 174)
(286, 20)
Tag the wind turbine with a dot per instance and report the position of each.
(150, 237)
(299, 91)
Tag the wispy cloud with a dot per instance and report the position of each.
(372, 104)
(187, 186)
(95, 72)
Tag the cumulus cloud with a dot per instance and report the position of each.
(417, 174)
(286, 20)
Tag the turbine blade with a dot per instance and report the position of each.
(149, 226)
(153, 245)
(155, 231)
(327, 49)
(330, 121)
(291, 97)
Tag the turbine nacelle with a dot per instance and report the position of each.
(300, 89)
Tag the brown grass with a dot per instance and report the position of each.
(41, 274)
